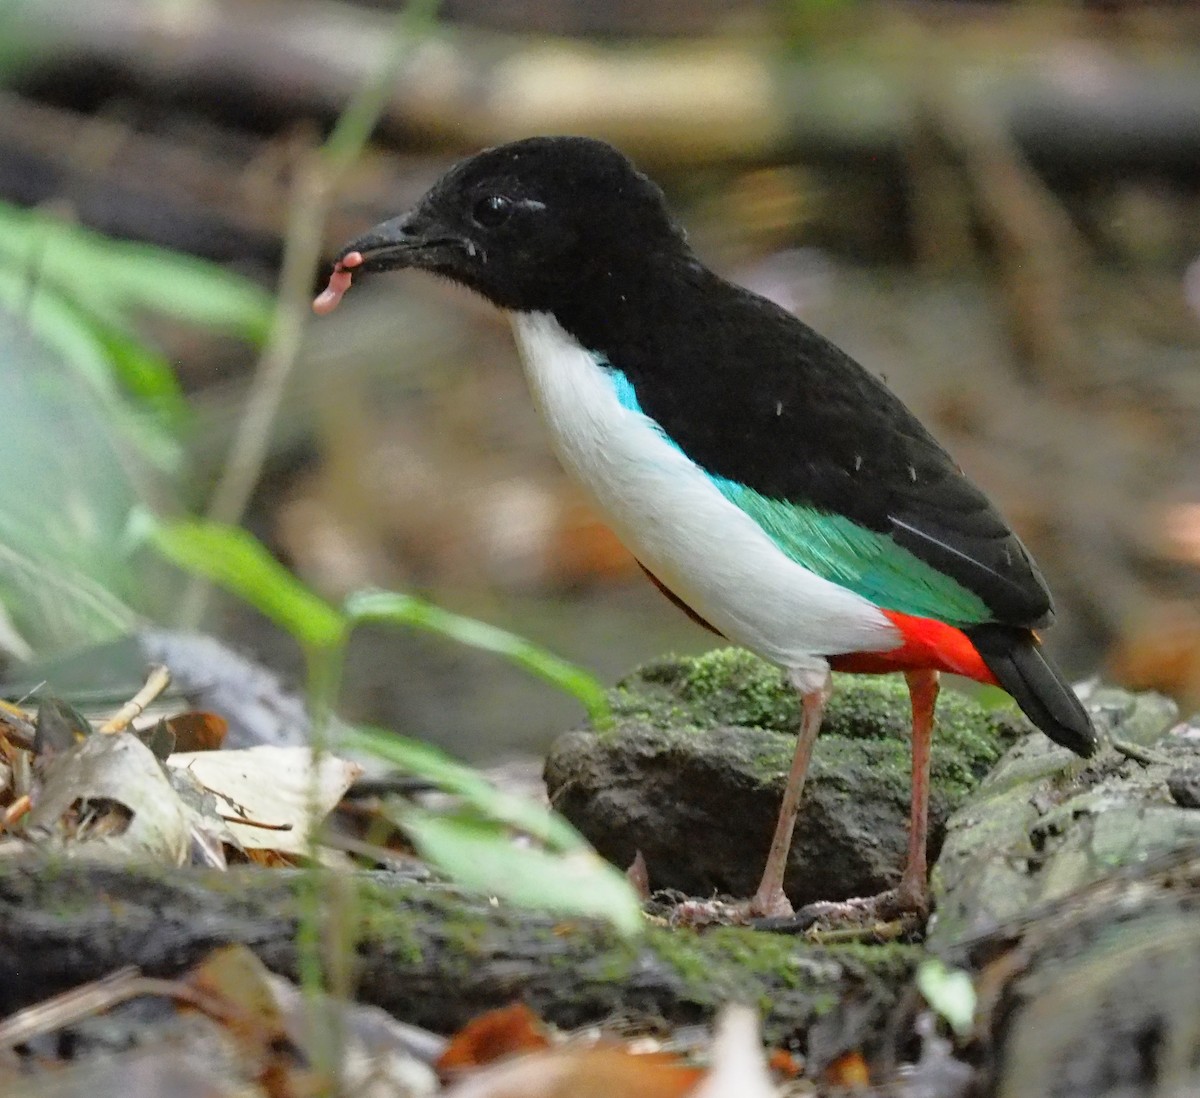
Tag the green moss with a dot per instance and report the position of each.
(732, 687)
(734, 964)
(380, 919)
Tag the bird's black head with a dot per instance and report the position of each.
(531, 224)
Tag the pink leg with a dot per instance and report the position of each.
(769, 899)
(923, 690)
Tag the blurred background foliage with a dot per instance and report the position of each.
(995, 205)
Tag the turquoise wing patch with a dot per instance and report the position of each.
(869, 563)
(864, 561)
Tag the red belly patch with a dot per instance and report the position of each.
(929, 645)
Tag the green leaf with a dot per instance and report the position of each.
(412, 612)
(950, 992)
(481, 855)
(99, 354)
(236, 561)
(52, 605)
(475, 846)
(427, 761)
(70, 480)
(113, 279)
(145, 375)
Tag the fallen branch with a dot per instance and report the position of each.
(666, 102)
(433, 956)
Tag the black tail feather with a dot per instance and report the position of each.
(1015, 657)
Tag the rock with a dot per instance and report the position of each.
(1045, 823)
(1184, 786)
(693, 770)
(1096, 995)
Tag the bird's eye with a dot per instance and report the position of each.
(492, 211)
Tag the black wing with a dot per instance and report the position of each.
(753, 394)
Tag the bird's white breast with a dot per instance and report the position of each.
(675, 521)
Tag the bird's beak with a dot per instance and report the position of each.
(410, 240)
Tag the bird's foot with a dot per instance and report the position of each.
(890, 914)
(897, 913)
(718, 912)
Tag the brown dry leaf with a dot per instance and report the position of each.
(584, 1072)
(269, 796)
(198, 731)
(785, 1064)
(493, 1036)
(237, 992)
(234, 974)
(849, 1071)
(270, 859)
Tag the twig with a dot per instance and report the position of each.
(246, 821)
(16, 727)
(70, 1006)
(1138, 753)
(874, 932)
(103, 994)
(157, 681)
(316, 180)
(1042, 257)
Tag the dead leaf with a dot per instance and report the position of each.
(59, 727)
(108, 798)
(583, 1072)
(234, 988)
(785, 1064)
(380, 1057)
(849, 1071)
(198, 731)
(267, 795)
(493, 1036)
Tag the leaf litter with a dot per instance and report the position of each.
(117, 791)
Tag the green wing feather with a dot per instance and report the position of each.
(866, 562)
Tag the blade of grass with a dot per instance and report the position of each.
(239, 563)
(481, 856)
(451, 776)
(412, 612)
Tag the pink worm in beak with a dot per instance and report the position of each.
(339, 282)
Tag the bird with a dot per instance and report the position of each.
(766, 482)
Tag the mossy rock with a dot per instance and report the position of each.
(692, 771)
(1045, 823)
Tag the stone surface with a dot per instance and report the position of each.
(693, 770)
(1184, 785)
(1096, 995)
(1045, 823)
